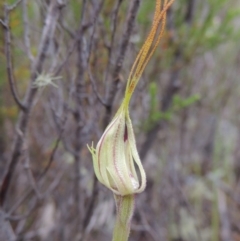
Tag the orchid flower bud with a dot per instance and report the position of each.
(116, 155)
(115, 158)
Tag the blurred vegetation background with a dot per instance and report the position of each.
(69, 61)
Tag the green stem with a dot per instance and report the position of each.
(125, 208)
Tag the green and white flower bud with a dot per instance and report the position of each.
(116, 155)
(115, 158)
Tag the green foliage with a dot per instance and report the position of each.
(178, 104)
(147, 8)
(213, 24)
(16, 22)
(10, 2)
(75, 9)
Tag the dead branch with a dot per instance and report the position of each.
(111, 93)
(114, 28)
(26, 31)
(8, 55)
(23, 120)
(6, 231)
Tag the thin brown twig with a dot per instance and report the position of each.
(114, 28)
(23, 120)
(60, 129)
(8, 54)
(54, 148)
(31, 179)
(13, 6)
(3, 23)
(35, 201)
(148, 227)
(92, 79)
(28, 192)
(66, 28)
(54, 183)
(40, 182)
(26, 31)
(69, 53)
(93, 83)
(6, 230)
(111, 93)
(95, 18)
(79, 117)
(93, 200)
(22, 216)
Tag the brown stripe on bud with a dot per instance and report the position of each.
(125, 133)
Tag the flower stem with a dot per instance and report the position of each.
(125, 208)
